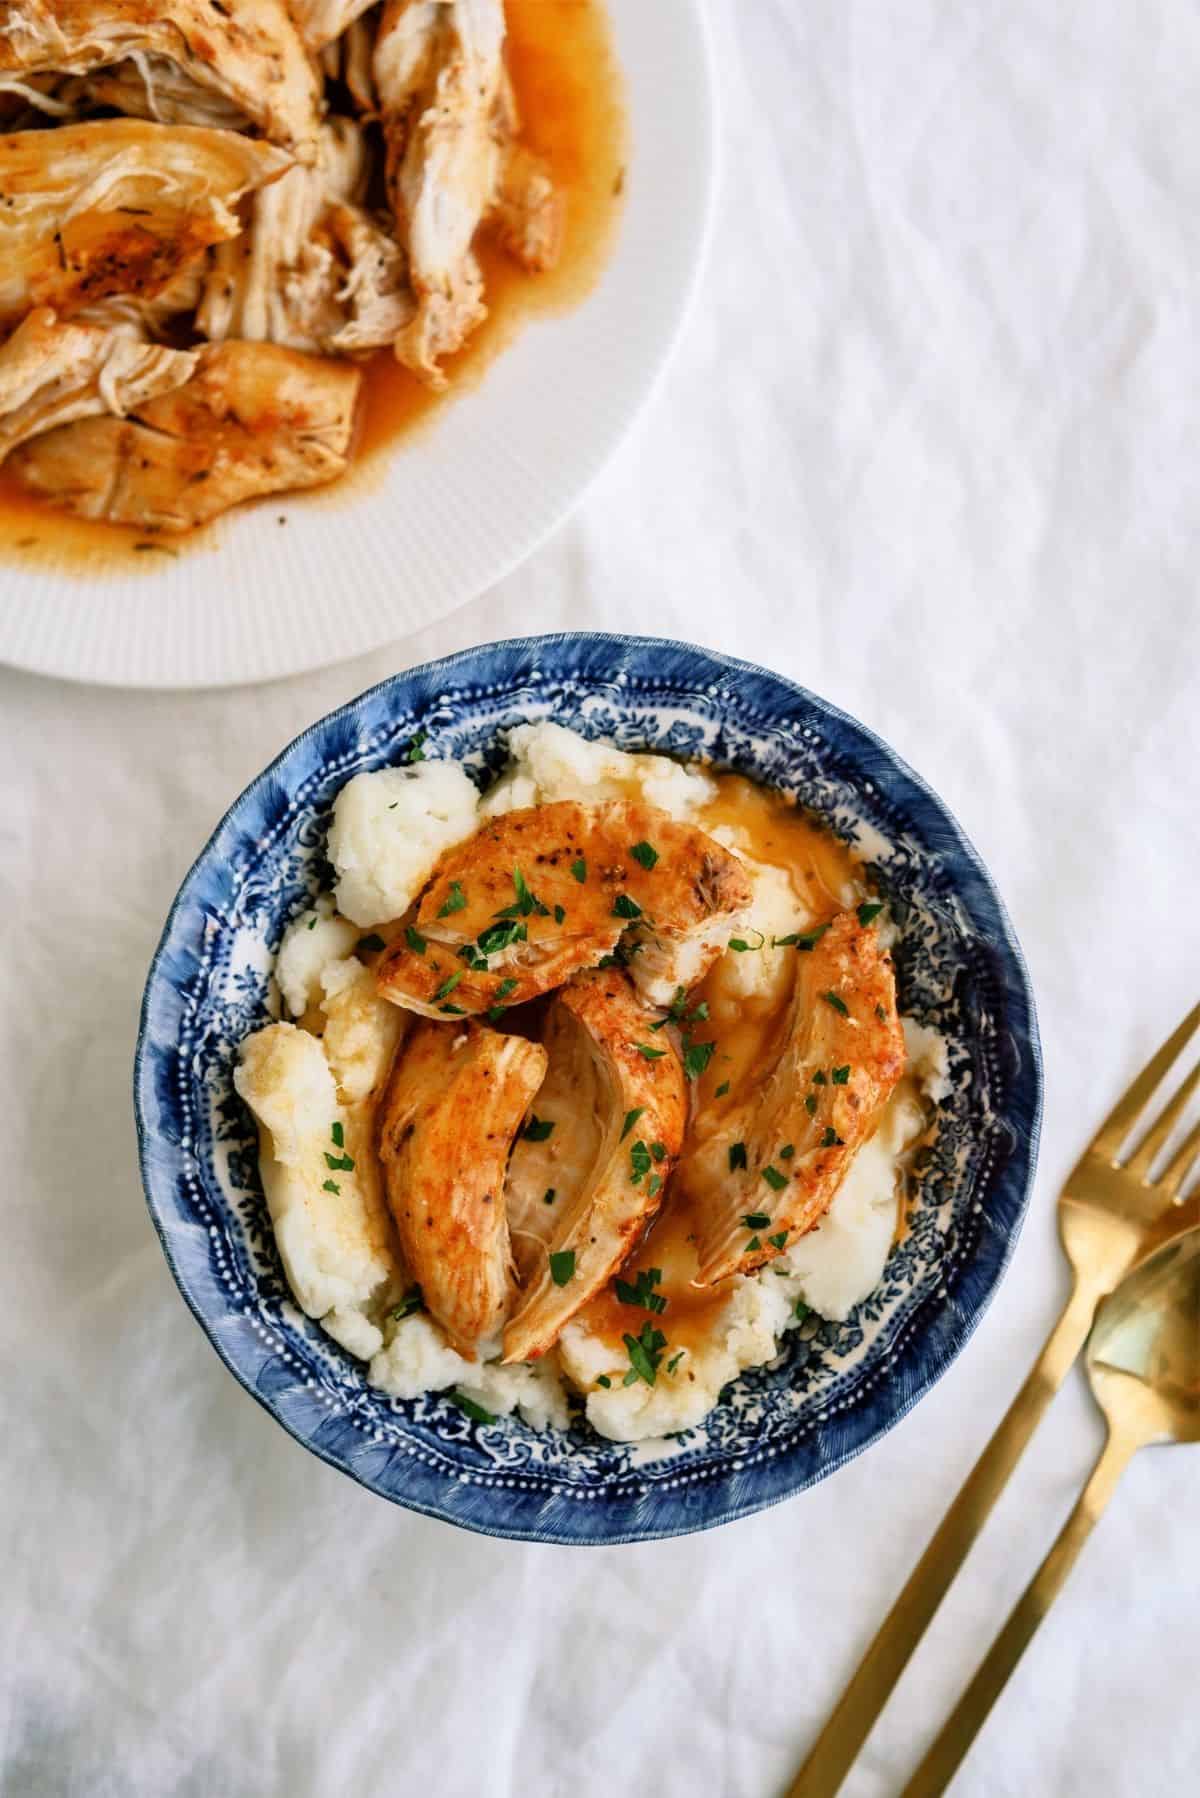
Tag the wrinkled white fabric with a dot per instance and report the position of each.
(928, 446)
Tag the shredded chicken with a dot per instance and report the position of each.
(253, 419)
(769, 1173)
(249, 55)
(639, 1105)
(539, 894)
(116, 208)
(322, 21)
(227, 204)
(312, 270)
(52, 372)
(458, 1097)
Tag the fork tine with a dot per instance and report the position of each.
(1175, 1175)
(1141, 1162)
(1129, 1108)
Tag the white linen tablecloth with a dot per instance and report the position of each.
(929, 446)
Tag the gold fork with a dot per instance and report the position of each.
(1109, 1213)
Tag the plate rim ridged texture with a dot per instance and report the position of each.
(861, 1377)
(413, 536)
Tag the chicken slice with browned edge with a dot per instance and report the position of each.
(537, 895)
(457, 1098)
(321, 21)
(116, 208)
(52, 372)
(253, 419)
(770, 1171)
(632, 1085)
(249, 56)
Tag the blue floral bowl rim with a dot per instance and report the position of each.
(1019, 1172)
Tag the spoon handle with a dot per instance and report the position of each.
(965, 1721)
(858, 1708)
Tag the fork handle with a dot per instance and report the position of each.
(858, 1708)
(969, 1714)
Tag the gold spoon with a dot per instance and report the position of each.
(1143, 1361)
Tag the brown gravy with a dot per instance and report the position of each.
(568, 87)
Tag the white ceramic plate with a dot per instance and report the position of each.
(470, 496)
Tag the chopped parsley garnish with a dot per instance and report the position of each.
(413, 1300)
(416, 749)
(659, 1151)
(649, 1053)
(562, 1267)
(631, 1118)
(447, 987)
(642, 1292)
(774, 1179)
(840, 1076)
(415, 940)
(787, 1151)
(655, 1186)
(602, 1379)
(810, 1104)
(819, 1079)
(676, 1358)
(803, 940)
(721, 1090)
(640, 1163)
(645, 853)
(453, 1011)
(801, 1311)
(496, 1009)
(831, 1139)
(625, 907)
(753, 1245)
(881, 1014)
(549, 1196)
(559, 914)
(475, 1412)
(777, 1241)
(869, 912)
(527, 903)
(314, 921)
(740, 946)
(696, 1057)
(331, 1186)
(372, 944)
(645, 1352)
(500, 936)
(737, 1156)
(539, 1129)
(338, 1135)
(839, 1005)
(698, 1013)
(344, 1162)
(756, 1220)
(456, 900)
(579, 869)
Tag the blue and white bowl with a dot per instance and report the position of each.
(780, 1428)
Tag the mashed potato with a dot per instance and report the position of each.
(338, 1248)
(388, 831)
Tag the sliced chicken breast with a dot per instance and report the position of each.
(116, 208)
(253, 419)
(52, 372)
(536, 895)
(250, 56)
(457, 1098)
(638, 1108)
(769, 1172)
